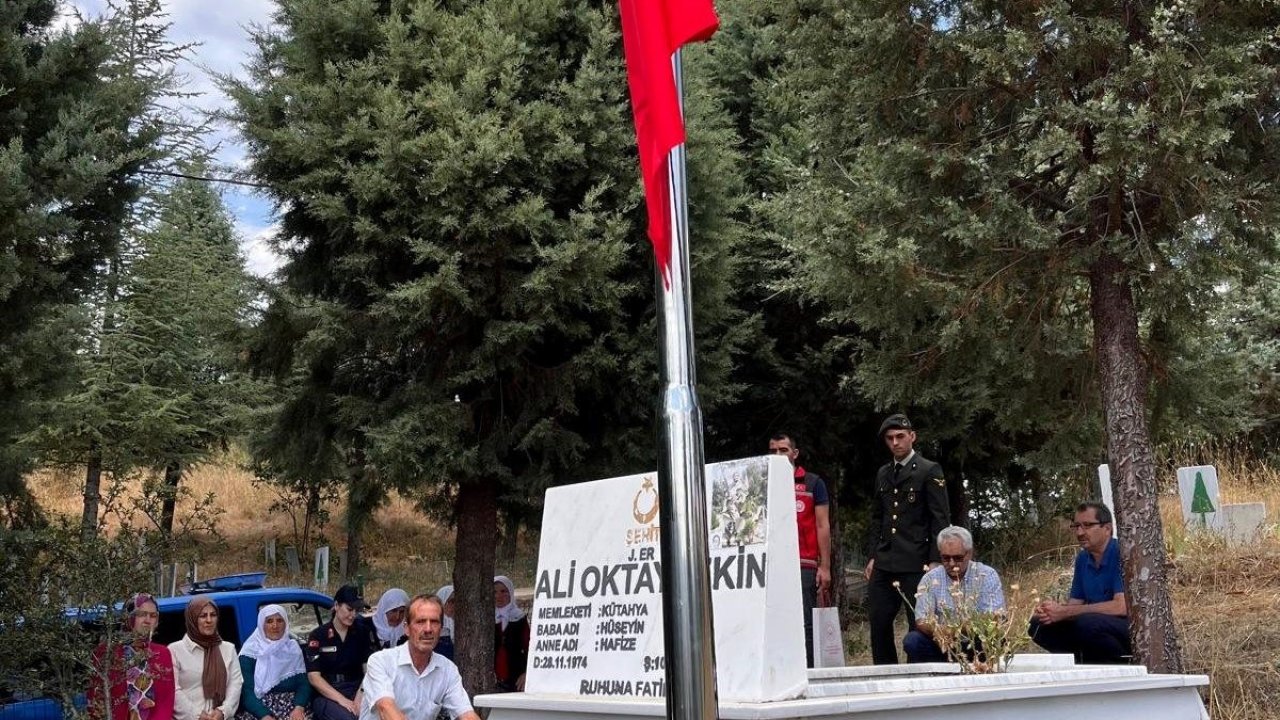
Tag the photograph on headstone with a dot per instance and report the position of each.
(739, 495)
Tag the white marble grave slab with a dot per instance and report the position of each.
(1242, 522)
(919, 692)
(597, 611)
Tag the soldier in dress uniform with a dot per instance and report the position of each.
(336, 654)
(909, 508)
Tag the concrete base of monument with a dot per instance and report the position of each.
(1044, 690)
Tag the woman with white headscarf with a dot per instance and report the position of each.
(445, 645)
(388, 617)
(510, 636)
(275, 676)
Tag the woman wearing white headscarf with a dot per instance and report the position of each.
(388, 618)
(445, 645)
(275, 676)
(510, 636)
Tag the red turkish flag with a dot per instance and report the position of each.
(652, 30)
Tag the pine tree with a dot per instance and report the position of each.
(1007, 198)
(71, 143)
(158, 385)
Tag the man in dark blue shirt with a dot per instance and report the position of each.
(1093, 624)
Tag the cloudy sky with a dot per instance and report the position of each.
(219, 28)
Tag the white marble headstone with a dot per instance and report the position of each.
(1198, 490)
(1108, 496)
(322, 568)
(597, 611)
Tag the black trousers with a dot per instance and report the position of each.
(809, 599)
(883, 603)
(325, 709)
(1093, 638)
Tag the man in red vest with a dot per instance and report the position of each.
(813, 522)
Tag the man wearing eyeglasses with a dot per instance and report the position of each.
(958, 588)
(909, 508)
(1093, 624)
(814, 524)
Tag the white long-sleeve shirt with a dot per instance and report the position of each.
(188, 669)
(419, 695)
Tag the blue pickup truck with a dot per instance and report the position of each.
(238, 598)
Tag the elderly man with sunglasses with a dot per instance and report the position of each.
(1093, 624)
(956, 589)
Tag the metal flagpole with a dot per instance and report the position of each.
(688, 635)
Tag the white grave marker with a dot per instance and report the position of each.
(1108, 497)
(322, 567)
(1242, 522)
(597, 609)
(1198, 490)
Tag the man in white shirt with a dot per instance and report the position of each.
(412, 681)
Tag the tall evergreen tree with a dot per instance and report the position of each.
(460, 204)
(1009, 197)
(181, 330)
(158, 383)
(71, 143)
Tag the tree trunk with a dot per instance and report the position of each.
(477, 507)
(362, 500)
(957, 500)
(313, 513)
(838, 593)
(172, 476)
(510, 539)
(92, 494)
(1123, 383)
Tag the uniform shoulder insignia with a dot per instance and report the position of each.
(942, 482)
(330, 633)
(314, 643)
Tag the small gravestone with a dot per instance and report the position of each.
(322, 568)
(270, 554)
(1107, 496)
(1198, 490)
(291, 560)
(1242, 522)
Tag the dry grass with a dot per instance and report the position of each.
(402, 548)
(1222, 596)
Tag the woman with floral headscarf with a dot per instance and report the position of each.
(510, 636)
(207, 673)
(275, 676)
(138, 672)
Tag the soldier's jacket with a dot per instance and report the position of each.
(907, 515)
(337, 659)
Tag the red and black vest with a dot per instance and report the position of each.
(807, 518)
